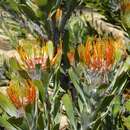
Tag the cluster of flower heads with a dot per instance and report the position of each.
(21, 93)
(33, 52)
(100, 53)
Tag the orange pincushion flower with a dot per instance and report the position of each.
(99, 53)
(22, 95)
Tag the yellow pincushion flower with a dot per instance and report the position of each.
(33, 52)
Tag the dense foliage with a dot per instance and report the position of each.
(72, 66)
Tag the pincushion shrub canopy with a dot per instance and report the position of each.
(71, 69)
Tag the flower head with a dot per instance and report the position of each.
(21, 94)
(33, 52)
(99, 53)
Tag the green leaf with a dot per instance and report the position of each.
(41, 89)
(41, 121)
(40, 2)
(7, 106)
(127, 64)
(56, 106)
(14, 64)
(45, 77)
(23, 74)
(75, 81)
(126, 19)
(50, 49)
(13, 4)
(38, 68)
(56, 127)
(127, 105)
(38, 12)
(101, 111)
(67, 101)
(4, 123)
(105, 103)
(28, 11)
(119, 82)
(116, 106)
(127, 122)
(118, 55)
(55, 6)
(16, 121)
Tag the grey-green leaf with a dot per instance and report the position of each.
(4, 123)
(7, 106)
(67, 101)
